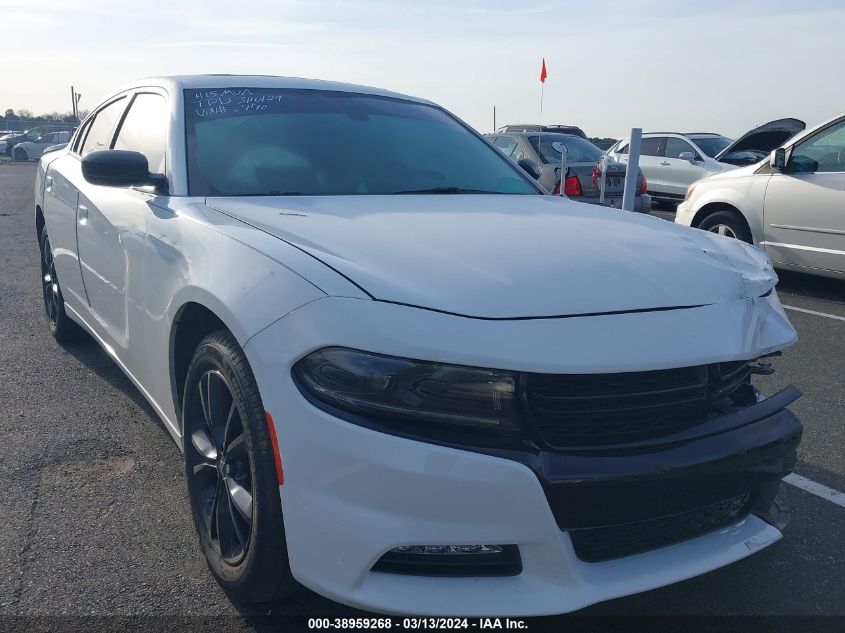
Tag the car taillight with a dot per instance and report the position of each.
(643, 186)
(571, 186)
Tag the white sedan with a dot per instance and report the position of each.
(400, 374)
(29, 150)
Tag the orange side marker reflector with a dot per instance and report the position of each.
(280, 475)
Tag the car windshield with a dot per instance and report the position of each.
(578, 150)
(712, 145)
(259, 141)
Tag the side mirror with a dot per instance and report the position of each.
(687, 156)
(777, 159)
(531, 167)
(118, 168)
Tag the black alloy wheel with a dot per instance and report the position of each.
(49, 282)
(230, 465)
(222, 467)
(61, 327)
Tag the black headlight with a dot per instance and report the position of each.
(400, 389)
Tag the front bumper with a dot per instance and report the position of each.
(684, 214)
(351, 494)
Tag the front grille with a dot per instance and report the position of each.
(594, 545)
(577, 410)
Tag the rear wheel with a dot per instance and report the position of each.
(231, 472)
(727, 223)
(61, 327)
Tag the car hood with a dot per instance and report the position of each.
(510, 256)
(765, 138)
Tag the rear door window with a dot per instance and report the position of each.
(652, 146)
(100, 131)
(80, 136)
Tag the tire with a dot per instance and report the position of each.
(20, 154)
(728, 223)
(234, 489)
(63, 329)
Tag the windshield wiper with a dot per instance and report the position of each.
(436, 190)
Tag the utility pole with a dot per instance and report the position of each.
(74, 103)
(494, 118)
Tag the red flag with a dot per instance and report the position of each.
(543, 73)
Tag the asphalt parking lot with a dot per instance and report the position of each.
(95, 518)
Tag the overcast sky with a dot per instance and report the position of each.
(687, 65)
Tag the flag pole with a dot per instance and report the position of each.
(542, 91)
(542, 87)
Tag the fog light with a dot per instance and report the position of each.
(451, 560)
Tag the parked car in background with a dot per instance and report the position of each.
(4, 138)
(673, 161)
(32, 134)
(531, 127)
(581, 182)
(792, 204)
(29, 150)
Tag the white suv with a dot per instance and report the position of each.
(671, 162)
(792, 205)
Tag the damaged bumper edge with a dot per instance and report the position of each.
(624, 500)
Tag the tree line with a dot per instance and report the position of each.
(49, 117)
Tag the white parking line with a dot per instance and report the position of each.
(821, 314)
(834, 496)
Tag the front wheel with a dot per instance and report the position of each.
(20, 154)
(727, 223)
(231, 472)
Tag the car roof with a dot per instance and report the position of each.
(216, 81)
(536, 133)
(680, 134)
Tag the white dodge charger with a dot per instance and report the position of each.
(400, 374)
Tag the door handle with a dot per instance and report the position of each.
(82, 214)
(48, 182)
(666, 162)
